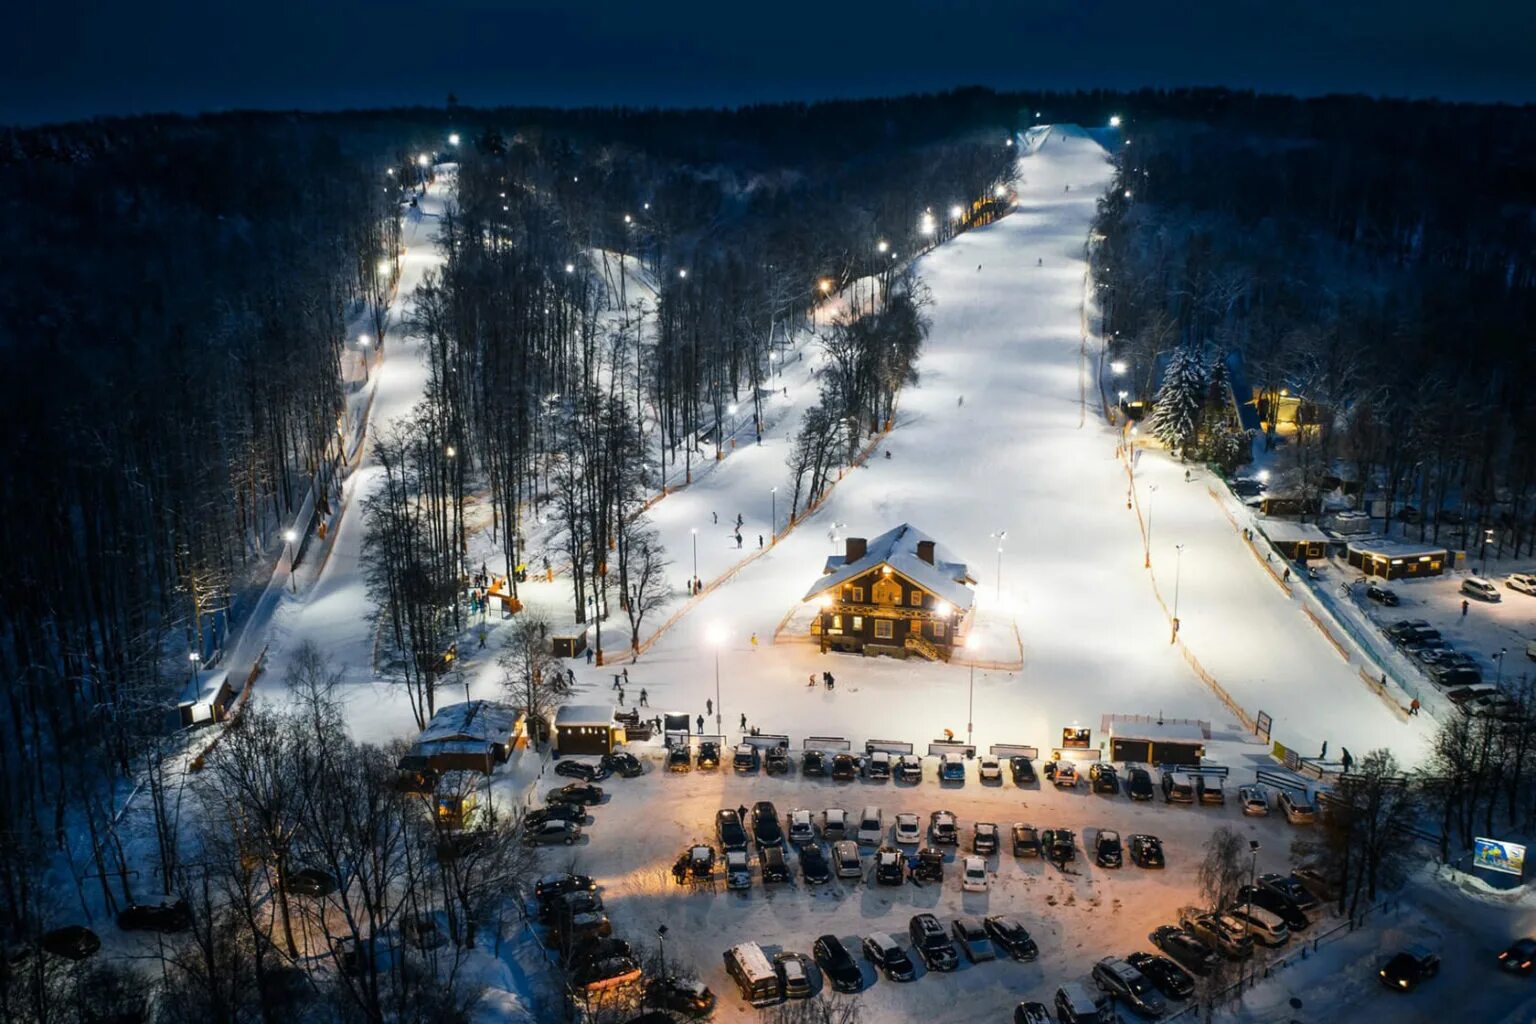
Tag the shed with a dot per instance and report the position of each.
(1394, 560)
(587, 729)
(473, 736)
(1158, 741)
(569, 646)
(206, 698)
(1299, 541)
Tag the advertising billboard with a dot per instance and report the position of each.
(1497, 855)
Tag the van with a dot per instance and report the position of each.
(1483, 590)
(871, 826)
(1075, 1006)
(748, 965)
(1208, 790)
(1264, 925)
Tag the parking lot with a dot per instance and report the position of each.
(1076, 915)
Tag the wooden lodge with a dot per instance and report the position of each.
(894, 595)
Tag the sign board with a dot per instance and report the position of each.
(765, 741)
(1076, 739)
(1497, 855)
(832, 743)
(889, 746)
(1015, 750)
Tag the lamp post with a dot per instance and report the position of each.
(1499, 660)
(970, 705)
(1253, 872)
(290, 536)
(694, 585)
(1000, 535)
(1147, 562)
(1483, 557)
(1178, 564)
(832, 533)
(194, 658)
(716, 639)
(661, 947)
(773, 515)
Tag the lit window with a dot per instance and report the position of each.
(883, 629)
(916, 599)
(858, 594)
(858, 623)
(939, 628)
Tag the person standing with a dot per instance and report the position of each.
(1464, 607)
(701, 725)
(645, 700)
(810, 680)
(621, 696)
(743, 721)
(709, 706)
(754, 641)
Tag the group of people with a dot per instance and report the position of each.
(827, 680)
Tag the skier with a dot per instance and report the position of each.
(738, 540)
(959, 401)
(716, 516)
(978, 268)
(621, 696)
(645, 699)
(1040, 262)
(743, 721)
(759, 541)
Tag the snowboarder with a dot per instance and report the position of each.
(1348, 761)
(709, 706)
(1464, 607)
(701, 725)
(754, 641)
(743, 722)
(645, 699)
(1324, 752)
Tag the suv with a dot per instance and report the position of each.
(1011, 937)
(952, 768)
(1075, 1006)
(1190, 953)
(738, 870)
(973, 938)
(1522, 581)
(845, 767)
(941, 827)
(1146, 851)
(1059, 844)
(984, 837)
(746, 758)
(1254, 800)
(1026, 840)
(1483, 590)
(709, 754)
(878, 765)
(1297, 809)
(1408, 968)
(1277, 903)
(794, 971)
(1138, 784)
(1022, 769)
(678, 760)
(729, 831)
(1381, 595)
(773, 867)
(989, 769)
(813, 762)
(834, 959)
(1104, 778)
(158, 913)
(845, 856)
(886, 954)
(834, 824)
(1266, 927)
(1221, 931)
(1292, 889)
(1208, 790)
(932, 944)
(890, 866)
(765, 824)
(813, 864)
(909, 768)
(1064, 774)
(1126, 983)
(777, 761)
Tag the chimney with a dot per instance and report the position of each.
(925, 551)
(857, 546)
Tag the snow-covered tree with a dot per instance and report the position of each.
(1176, 416)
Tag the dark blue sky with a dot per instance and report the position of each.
(64, 59)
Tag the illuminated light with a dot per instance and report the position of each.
(1117, 367)
(628, 219)
(956, 212)
(1114, 122)
(942, 609)
(715, 634)
(645, 206)
(732, 409)
(570, 268)
(882, 245)
(1127, 193)
(683, 273)
(826, 285)
(1008, 142)
(424, 160)
(290, 536)
(364, 340)
(453, 140)
(1001, 191)
(825, 600)
(1263, 476)
(383, 268)
(450, 451)
(1124, 395)
(390, 172)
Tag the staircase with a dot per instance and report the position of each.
(922, 646)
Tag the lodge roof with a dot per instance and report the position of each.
(476, 721)
(897, 548)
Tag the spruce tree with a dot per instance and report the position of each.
(1176, 416)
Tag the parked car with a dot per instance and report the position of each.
(1104, 778)
(765, 824)
(583, 793)
(1146, 851)
(845, 859)
(838, 964)
(877, 766)
(1177, 789)
(1059, 844)
(1171, 979)
(729, 830)
(1075, 1006)
(813, 864)
(952, 767)
(989, 769)
(1267, 928)
(931, 943)
(930, 865)
(890, 866)
(1522, 581)
(1208, 790)
(545, 832)
(745, 758)
(1292, 889)
(776, 761)
(773, 865)
(1381, 595)
(560, 883)
(813, 762)
(909, 768)
(1483, 590)
(1129, 985)
(1298, 810)
(845, 768)
(709, 754)
(1221, 931)
(1517, 958)
(310, 882)
(1275, 903)
(1107, 851)
(942, 828)
(1189, 951)
(801, 827)
(1026, 840)
(678, 760)
(973, 939)
(1023, 771)
(738, 870)
(973, 874)
(888, 956)
(1011, 937)
(687, 996)
(1064, 774)
(572, 813)
(697, 863)
(1030, 1012)
(984, 838)
(72, 942)
(834, 824)
(583, 770)
(1254, 800)
(1408, 968)
(1318, 884)
(155, 914)
(1138, 784)
(794, 970)
(871, 827)
(909, 829)
(623, 764)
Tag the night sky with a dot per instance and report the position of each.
(65, 59)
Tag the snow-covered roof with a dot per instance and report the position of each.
(898, 548)
(473, 722)
(205, 688)
(1182, 730)
(1285, 531)
(1396, 549)
(584, 714)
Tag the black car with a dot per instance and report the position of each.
(709, 754)
(774, 867)
(813, 762)
(1518, 958)
(556, 812)
(1031, 1013)
(584, 793)
(1191, 954)
(838, 964)
(1146, 851)
(886, 954)
(1171, 979)
(813, 864)
(932, 944)
(1011, 937)
(729, 830)
(1107, 851)
(569, 904)
(1026, 840)
(890, 866)
(1282, 906)
(765, 824)
(595, 948)
(845, 767)
(1408, 968)
(550, 886)
(1059, 844)
(623, 763)
(72, 942)
(310, 882)
(162, 915)
(776, 762)
(1291, 889)
(746, 759)
(1138, 784)
(1104, 778)
(1381, 595)
(1023, 771)
(684, 995)
(930, 865)
(582, 770)
(678, 760)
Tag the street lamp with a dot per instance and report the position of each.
(383, 268)
(1253, 872)
(194, 658)
(832, 533)
(1117, 367)
(999, 536)
(1178, 564)
(716, 638)
(1499, 658)
(290, 536)
(773, 518)
(683, 274)
(1483, 557)
(453, 140)
(363, 343)
(882, 245)
(695, 532)
(1114, 121)
(570, 268)
(1147, 563)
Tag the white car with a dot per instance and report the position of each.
(990, 769)
(1065, 774)
(871, 827)
(801, 830)
(1253, 799)
(973, 874)
(1476, 586)
(1522, 581)
(909, 829)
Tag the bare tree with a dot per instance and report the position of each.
(645, 573)
(531, 675)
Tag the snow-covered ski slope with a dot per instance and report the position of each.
(1023, 453)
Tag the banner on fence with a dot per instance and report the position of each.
(1498, 855)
